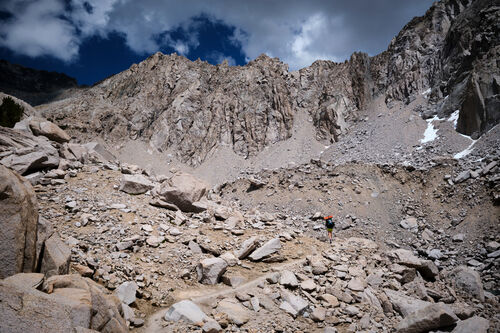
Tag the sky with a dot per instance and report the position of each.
(93, 39)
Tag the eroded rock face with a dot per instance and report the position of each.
(26, 153)
(194, 107)
(18, 222)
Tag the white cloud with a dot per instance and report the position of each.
(298, 32)
(38, 30)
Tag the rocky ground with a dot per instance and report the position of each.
(401, 239)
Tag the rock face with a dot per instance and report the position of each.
(71, 302)
(18, 222)
(194, 107)
(26, 153)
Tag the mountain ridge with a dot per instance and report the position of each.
(191, 108)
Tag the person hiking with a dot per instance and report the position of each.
(329, 227)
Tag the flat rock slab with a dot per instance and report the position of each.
(270, 247)
(288, 279)
(135, 184)
(247, 247)
(186, 311)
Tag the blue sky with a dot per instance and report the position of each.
(93, 39)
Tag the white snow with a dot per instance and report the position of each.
(427, 92)
(454, 118)
(465, 152)
(430, 133)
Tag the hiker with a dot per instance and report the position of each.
(329, 227)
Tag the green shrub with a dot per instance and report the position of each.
(10, 112)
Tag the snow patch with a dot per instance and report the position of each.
(430, 133)
(465, 152)
(454, 118)
(427, 92)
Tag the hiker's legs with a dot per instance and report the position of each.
(330, 235)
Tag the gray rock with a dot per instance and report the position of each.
(183, 190)
(126, 292)
(18, 222)
(254, 302)
(461, 177)
(403, 304)
(211, 326)
(229, 258)
(186, 311)
(431, 317)
(298, 303)
(247, 247)
(41, 126)
(474, 324)
(270, 247)
(235, 312)
(458, 238)
(308, 285)
(357, 284)
(233, 279)
(318, 314)
(210, 270)
(56, 256)
(409, 223)
(288, 279)
(71, 302)
(492, 246)
(26, 153)
(135, 184)
(469, 281)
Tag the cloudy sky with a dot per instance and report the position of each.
(92, 39)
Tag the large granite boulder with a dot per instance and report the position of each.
(40, 126)
(183, 190)
(69, 302)
(18, 224)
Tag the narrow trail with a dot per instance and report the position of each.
(154, 322)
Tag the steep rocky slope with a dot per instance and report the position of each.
(31, 85)
(192, 108)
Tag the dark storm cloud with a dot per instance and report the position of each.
(298, 32)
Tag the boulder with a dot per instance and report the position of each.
(247, 247)
(288, 279)
(135, 184)
(469, 281)
(126, 292)
(298, 303)
(318, 314)
(270, 247)
(211, 326)
(56, 256)
(210, 270)
(182, 190)
(308, 285)
(26, 153)
(426, 267)
(236, 313)
(403, 304)
(474, 324)
(98, 152)
(186, 311)
(40, 126)
(71, 302)
(409, 223)
(428, 318)
(18, 222)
